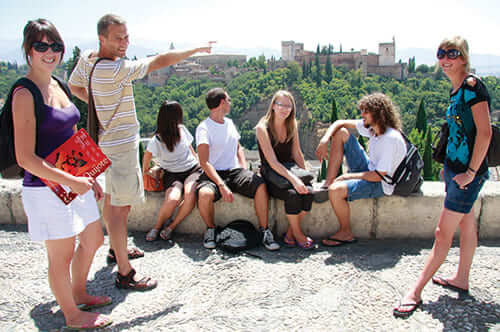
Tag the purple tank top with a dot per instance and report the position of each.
(55, 129)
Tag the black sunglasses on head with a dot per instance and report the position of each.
(43, 47)
(451, 53)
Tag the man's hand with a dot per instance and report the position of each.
(322, 150)
(227, 194)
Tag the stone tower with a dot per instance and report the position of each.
(387, 53)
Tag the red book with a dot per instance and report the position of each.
(79, 156)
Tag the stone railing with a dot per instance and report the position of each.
(387, 217)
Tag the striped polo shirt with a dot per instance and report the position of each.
(114, 98)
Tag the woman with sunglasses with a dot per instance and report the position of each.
(171, 147)
(465, 170)
(49, 219)
(278, 143)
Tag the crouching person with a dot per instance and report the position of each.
(224, 169)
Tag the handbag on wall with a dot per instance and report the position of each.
(153, 180)
(281, 182)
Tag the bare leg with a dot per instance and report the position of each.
(448, 223)
(468, 244)
(294, 229)
(116, 220)
(60, 253)
(338, 198)
(206, 206)
(189, 201)
(336, 154)
(90, 240)
(261, 203)
(173, 196)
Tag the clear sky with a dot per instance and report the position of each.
(265, 23)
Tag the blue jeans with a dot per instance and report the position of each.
(357, 161)
(461, 200)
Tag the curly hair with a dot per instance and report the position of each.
(385, 114)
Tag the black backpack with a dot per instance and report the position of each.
(407, 177)
(238, 235)
(8, 163)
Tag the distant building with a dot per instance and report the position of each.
(383, 63)
(197, 67)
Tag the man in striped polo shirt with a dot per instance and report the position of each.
(119, 131)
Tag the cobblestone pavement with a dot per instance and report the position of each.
(350, 288)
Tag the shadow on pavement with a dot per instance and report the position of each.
(483, 315)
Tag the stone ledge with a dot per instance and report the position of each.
(382, 218)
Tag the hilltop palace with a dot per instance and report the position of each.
(383, 63)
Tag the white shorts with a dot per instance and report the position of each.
(50, 219)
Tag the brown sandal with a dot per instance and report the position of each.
(133, 253)
(128, 282)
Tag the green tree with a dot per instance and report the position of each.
(82, 107)
(421, 123)
(328, 70)
(428, 174)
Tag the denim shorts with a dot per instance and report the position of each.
(461, 200)
(357, 161)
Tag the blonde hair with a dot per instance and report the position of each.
(290, 122)
(460, 44)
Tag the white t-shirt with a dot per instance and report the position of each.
(385, 152)
(222, 139)
(179, 160)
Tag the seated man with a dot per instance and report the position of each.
(224, 169)
(387, 148)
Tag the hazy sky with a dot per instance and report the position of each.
(265, 23)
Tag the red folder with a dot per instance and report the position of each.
(79, 156)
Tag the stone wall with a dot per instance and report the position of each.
(387, 217)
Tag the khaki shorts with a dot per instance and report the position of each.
(124, 179)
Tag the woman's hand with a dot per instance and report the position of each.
(463, 179)
(82, 184)
(98, 193)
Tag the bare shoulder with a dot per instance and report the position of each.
(22, 98)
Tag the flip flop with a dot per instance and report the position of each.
(440, 281)
(99, 323)
(152, 235)
(307, 245)
(288, 242)
(405, 314)
(99, 301)
(340, 242)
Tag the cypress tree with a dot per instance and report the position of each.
(328, 70)
(334, 116)
(428, 156)
(421, 123)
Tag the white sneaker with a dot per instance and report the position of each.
(209, 239)
(268, 240)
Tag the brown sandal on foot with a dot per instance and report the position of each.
(128, 282)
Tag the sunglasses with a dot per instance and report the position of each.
(43, 47)
(451, 54)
